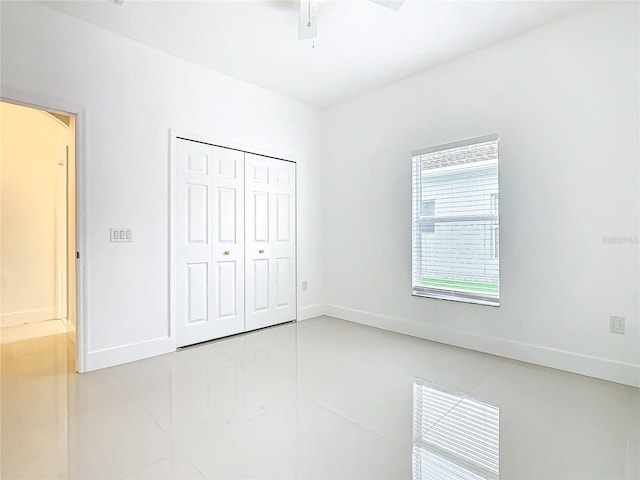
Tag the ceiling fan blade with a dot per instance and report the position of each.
(392, 4)
(307, 23)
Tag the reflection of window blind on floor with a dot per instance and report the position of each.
(429, 466)
(456, 221)
(456, 436)
(429, 406)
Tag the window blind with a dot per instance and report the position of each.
(456, 221)
(455, 436)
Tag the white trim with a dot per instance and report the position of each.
(597, 367)
(312, 311)
(460, 143)
(20, 97)
(61, 231)
(28, 316)
(295, 245)
(128, 353)
(173, 314)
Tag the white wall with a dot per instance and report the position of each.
(133, 95)
(564, 100)
(32, 144)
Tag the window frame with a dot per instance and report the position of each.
(417, 220)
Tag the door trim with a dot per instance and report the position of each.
(41, 102)
(174, 136)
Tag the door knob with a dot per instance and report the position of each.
(260, 251)
(227, 252)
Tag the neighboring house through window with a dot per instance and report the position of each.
(456, 221)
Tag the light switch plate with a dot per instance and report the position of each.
(118, 235)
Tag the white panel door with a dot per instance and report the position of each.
(270, 262)
(209, 243)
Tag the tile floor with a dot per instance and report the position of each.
(31, 330)
(319, 399)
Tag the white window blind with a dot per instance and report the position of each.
(455, 436)
(456, 221)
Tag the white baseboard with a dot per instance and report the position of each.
(611, 370)
(311, 311)
(27, 316)
(128, 353)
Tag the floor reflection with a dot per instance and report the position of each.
(455, 436)
(320, 399)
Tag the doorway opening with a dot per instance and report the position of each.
(38, 230)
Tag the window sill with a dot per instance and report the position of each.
(456, 298)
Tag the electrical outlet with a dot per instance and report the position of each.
(305, 286)
(616, 324)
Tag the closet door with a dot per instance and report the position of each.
(209, 230)
(270, 281)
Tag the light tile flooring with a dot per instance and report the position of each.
(28, 331)
(319, 399)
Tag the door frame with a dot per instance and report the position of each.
(41, 102)
(62, 247)
(174, 135)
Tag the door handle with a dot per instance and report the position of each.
(227, 252)
(260, 251)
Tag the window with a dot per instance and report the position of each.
(428, 209)
(456, 222)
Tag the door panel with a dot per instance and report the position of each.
(227, 220)
(227, 289)
(260, 284)
(197, 292)
(260, 173)
(198, 162)
(261, 216)
(270, 246)
(209, 242)
(283, 217)
(197, 213)
(228, 244)
(283, 282)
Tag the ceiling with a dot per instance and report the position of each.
(360, 45)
